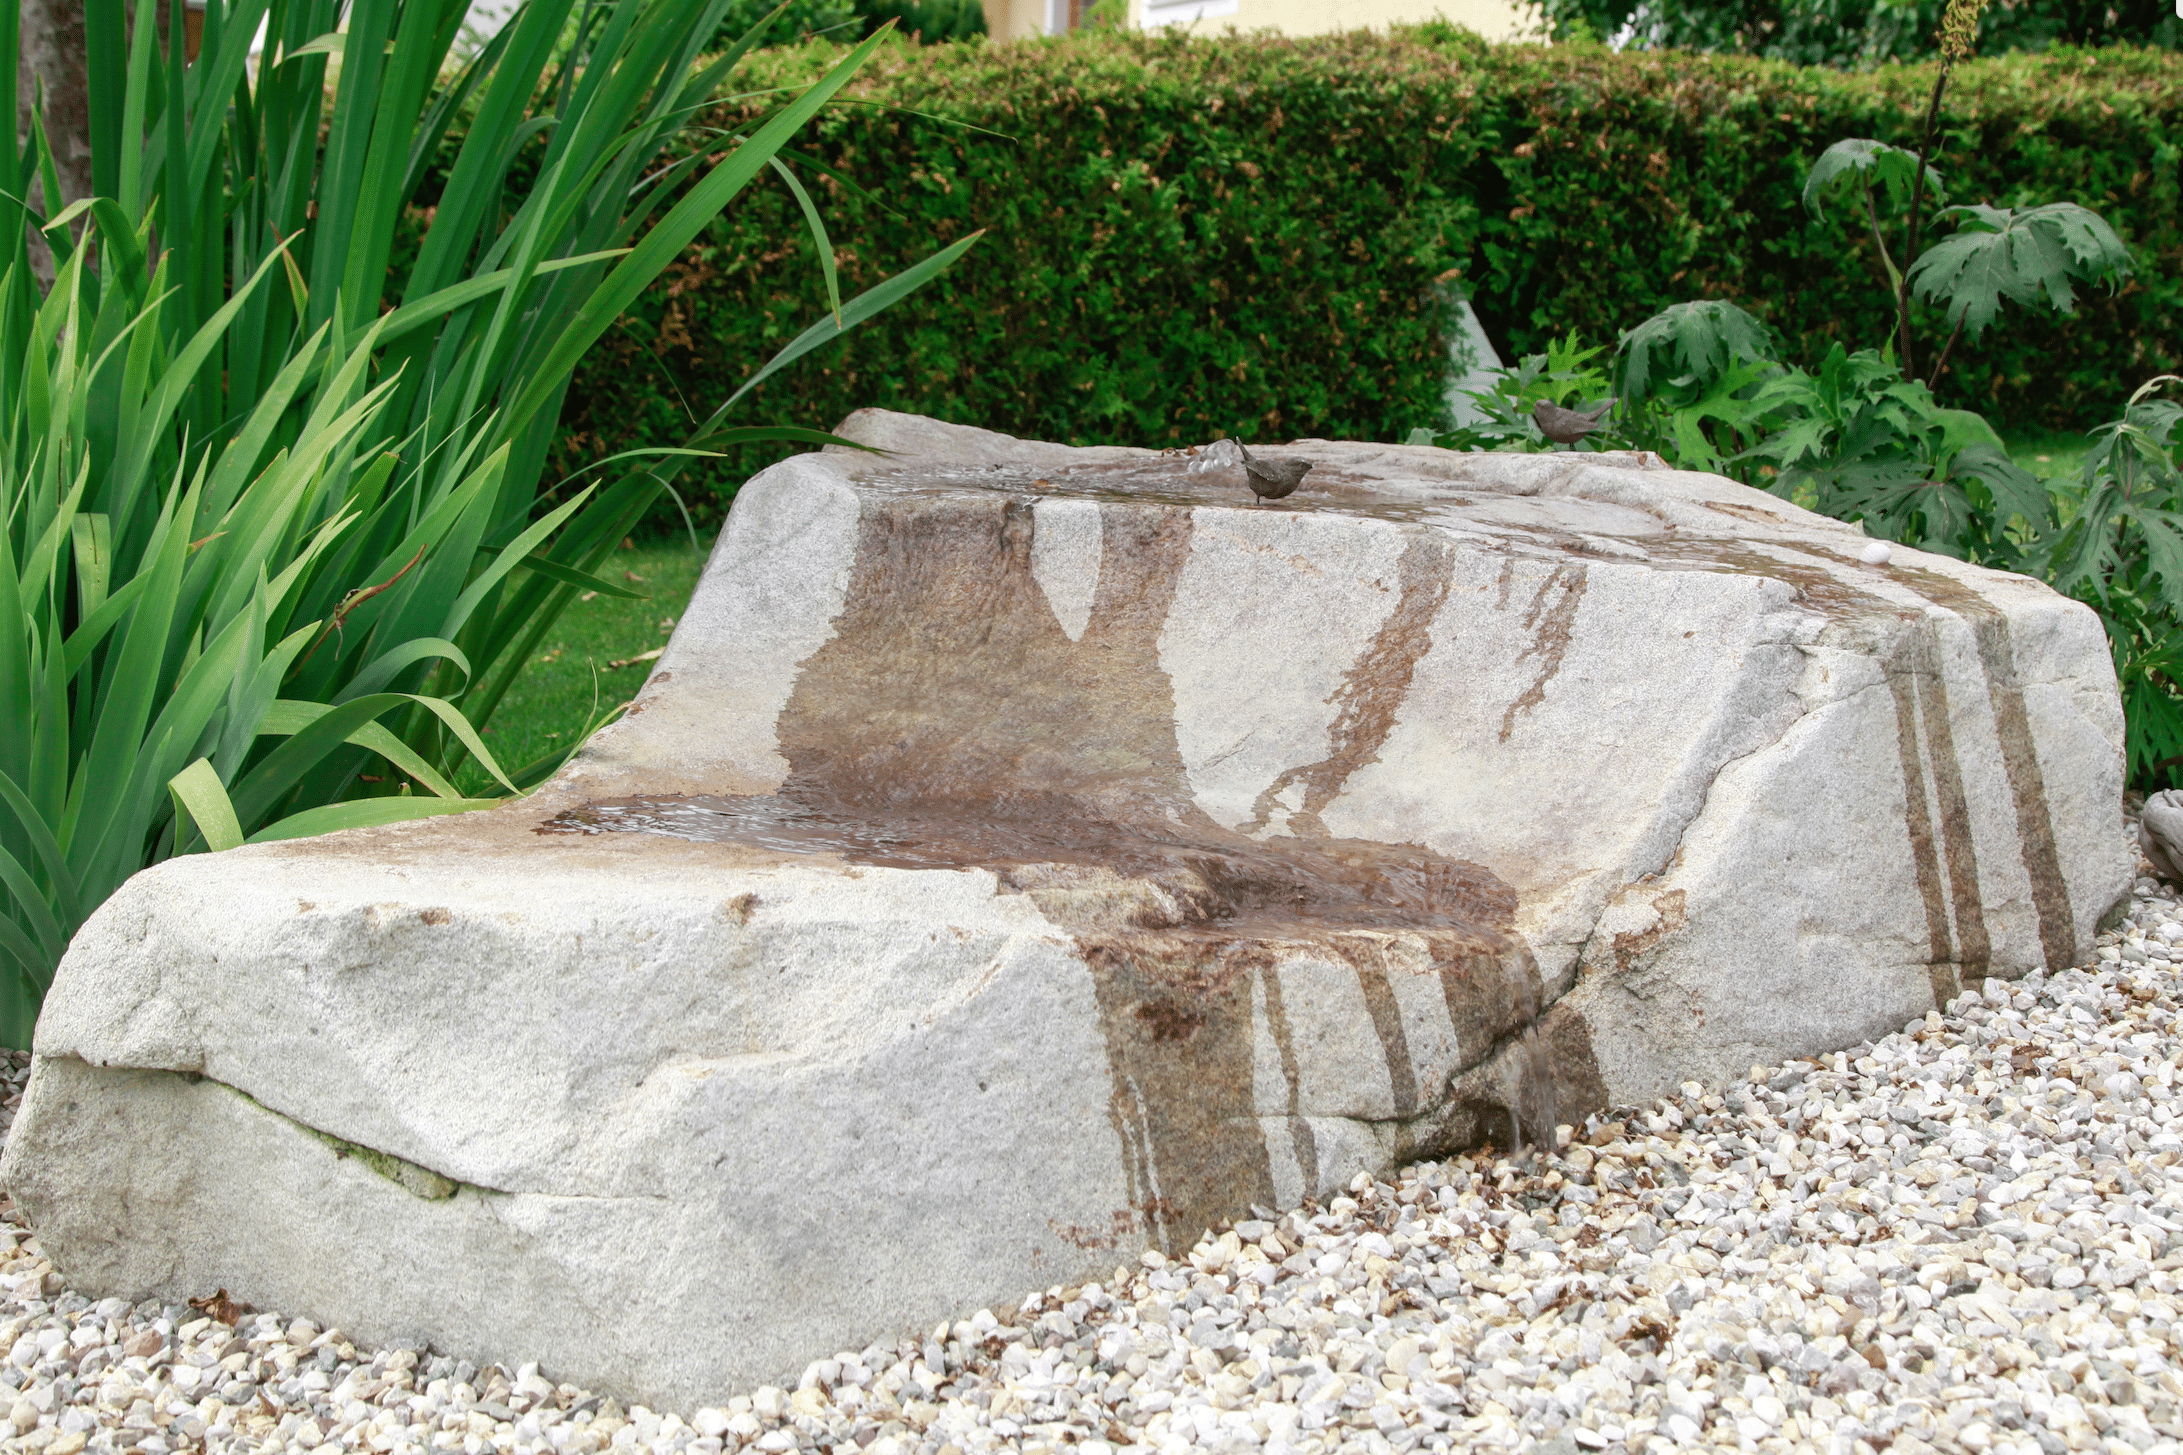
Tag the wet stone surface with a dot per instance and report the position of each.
(1964, 1236)
(1209, 878)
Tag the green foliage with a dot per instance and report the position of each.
(1861, 438)
(1686, 378)
(1854, 32)
(1566, 374)
(1866, 161)
(1241, 234)
(270, 551)
(1863, 443)
(1693, 344)
(1999, 252)
(928, 21)
(2120, 551)
(791, 23)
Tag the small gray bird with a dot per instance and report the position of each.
(2160, 834)
(1567, 426)
(1273, 479)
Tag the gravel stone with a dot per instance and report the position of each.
(1966, 1235)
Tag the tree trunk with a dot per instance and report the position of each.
(52, 57)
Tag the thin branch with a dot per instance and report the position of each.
(1934, 382)
(1917, 203)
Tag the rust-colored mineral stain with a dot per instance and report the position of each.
(1925, 732)
(1386, 1013)
(1372, 691)
(1301, 1140)
(1973, 946)
(2019, 756)
(1671, 913)
(2039, 852)
(1550, 619)
(1918, 828)
(950, 722)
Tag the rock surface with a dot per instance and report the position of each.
(1024, 854)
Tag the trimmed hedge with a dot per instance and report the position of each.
(1244, 235)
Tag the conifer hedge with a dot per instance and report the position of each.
(1248, 235)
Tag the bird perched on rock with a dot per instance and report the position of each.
(1567, 426)
(2160, 834)
(1273, 479)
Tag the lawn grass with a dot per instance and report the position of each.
(572, 677)
(2047, 453)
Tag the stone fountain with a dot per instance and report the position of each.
(1023, 855)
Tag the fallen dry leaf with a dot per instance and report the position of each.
(651, 656)
(219, 1306)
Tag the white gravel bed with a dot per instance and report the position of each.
(1958, 1238)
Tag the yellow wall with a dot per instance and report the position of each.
(1493, 19)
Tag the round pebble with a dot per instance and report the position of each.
(1966, 1235)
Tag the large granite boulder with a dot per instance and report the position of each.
(1025, 854)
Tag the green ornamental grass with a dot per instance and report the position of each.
(272, 552)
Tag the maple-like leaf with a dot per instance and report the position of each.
(1870, 161)
(1999, 252)
(1700, 338)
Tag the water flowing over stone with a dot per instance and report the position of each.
(1025, 855)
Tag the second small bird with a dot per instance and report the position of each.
(1567, 426)
(1273, 479)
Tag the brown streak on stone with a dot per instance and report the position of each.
(1484, 1013)
(1190, 1096)
(1738, 511)
(1550, 627)
(1371, 691)
(1169, 1021)
(1973, 947)
(2019, 755)
(1578, 1087)
(1918, 826)
(1386, 1013)
(1284, 1040)
(2034, 825)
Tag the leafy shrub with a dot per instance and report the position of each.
(1241, 235)
(790, 22)
(1851, 32)
(2120, 550)
(928, 21)
(1861, 436)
